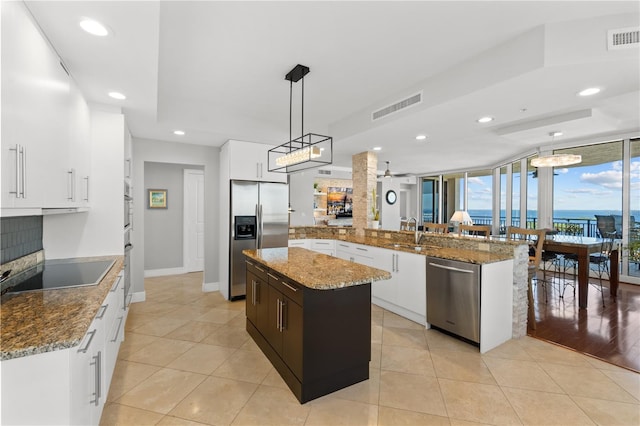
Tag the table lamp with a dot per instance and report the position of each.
(458, 217)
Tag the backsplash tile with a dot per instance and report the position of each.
(19, 236)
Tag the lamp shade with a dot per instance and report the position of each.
(461, 216)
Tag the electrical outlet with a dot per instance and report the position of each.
(342, 231)
(387, 235)
(483, 247)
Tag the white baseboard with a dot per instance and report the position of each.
(149, 273)
(209, 287)
(138, 296)
(411, 316)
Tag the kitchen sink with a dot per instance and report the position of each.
(413, 247)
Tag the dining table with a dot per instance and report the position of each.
(583, 247)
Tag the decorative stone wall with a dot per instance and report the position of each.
(364, 166)
(520, 287)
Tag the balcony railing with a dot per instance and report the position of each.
(573, 226)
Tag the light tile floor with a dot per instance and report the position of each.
(188, 360)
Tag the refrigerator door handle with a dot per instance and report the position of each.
(258, 230)
(260, 225)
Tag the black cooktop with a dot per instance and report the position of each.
(56, 274)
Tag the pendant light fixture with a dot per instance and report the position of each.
(556, 160)
(306, 151)
(387, 173)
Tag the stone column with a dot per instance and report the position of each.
(364, 171)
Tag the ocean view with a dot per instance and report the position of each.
(558, 214)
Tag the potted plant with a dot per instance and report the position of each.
(375, 213)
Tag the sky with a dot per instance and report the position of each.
(596, 187)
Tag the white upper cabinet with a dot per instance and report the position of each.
(43, 119)
(248, 161)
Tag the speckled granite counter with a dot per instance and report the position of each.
(48, 320)
(314, 270)
(450, 246)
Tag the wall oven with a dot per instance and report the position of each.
(128, 246)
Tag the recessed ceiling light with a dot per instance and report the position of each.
(554, 134)
(117, 95)
(377, 148)
(94, 27)
(421, 137)
(590, 91)
(484, 119)
(178, 132)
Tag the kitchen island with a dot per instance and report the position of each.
(310, 314)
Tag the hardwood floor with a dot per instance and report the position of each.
(611, 333)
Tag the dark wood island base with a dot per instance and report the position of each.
(319, 340)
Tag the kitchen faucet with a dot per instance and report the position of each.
(418, 235)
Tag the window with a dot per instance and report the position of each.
(593, 187)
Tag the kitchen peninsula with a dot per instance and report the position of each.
(503, 270)
(310, 314)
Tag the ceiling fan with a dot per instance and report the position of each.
(389, 174)
(534, 174)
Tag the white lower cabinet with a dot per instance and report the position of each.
(323, 246)
(88, 390)
(299, 243)
(67, 386)
(405, 293)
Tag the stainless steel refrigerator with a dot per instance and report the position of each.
(259, 219)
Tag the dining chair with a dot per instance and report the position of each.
(606, 224)
(602, 261)
(438, 228)
(475, 230)
(535, 238)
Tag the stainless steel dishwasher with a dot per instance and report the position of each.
(453, 297)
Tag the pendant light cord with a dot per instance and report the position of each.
(302, 118)
(290, 109)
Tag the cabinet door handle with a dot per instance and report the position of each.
(361, 249)
(253, 292)
(397, 263)
(23, 152)
(273, 276)
(104, 310)
(71, 185)
(283, 305)
(115, 285)
(17, 191)
(115, 337)
(97, 385)
(86, 348)
(278, 314)
(86, 178)
(290, 287)
(249, 263)
(259, 269)
(343, 245)
(257, 292)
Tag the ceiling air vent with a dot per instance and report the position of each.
(398, 106)
(623, 38)
(324, 172)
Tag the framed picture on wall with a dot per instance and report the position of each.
(157, 198)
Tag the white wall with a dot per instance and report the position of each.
(144, 151)
(100, 231)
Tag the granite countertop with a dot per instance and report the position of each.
(315, 270)
(451, 253)
(47, 320)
